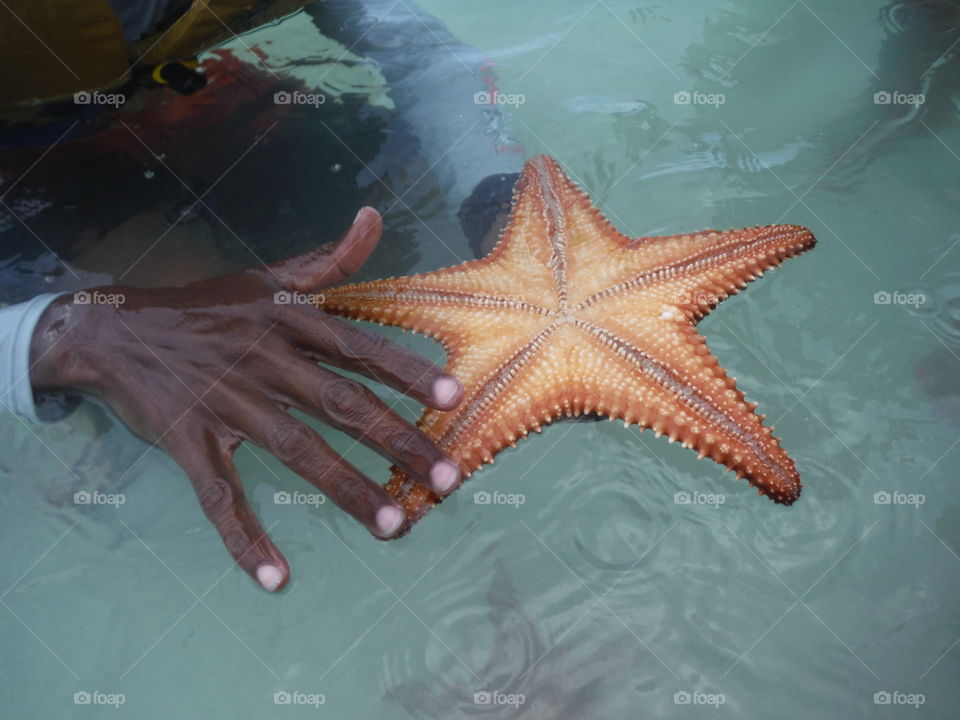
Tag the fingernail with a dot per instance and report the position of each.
(445, 390)
(444, 475)
(357, 216)
(389, 520)
(270, 576)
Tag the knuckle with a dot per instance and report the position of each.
(413, 371)
(378, 344)
(362, 346)
(352, 492)
(405, 442)
(419, 373)
(235, 540)
(232, 342)
(290, 442)
(347, 402)
(217, 499)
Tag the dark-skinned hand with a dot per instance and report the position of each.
(201, 368)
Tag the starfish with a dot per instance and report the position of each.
(567, 316)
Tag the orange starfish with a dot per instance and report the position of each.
(568, 316)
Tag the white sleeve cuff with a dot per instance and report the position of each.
(17, 323)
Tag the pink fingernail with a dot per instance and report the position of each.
(270, 576)
(445, 390)
(389, 520)
(444, 475)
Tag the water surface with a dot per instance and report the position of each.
(604, 594)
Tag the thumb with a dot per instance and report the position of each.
(332, 263)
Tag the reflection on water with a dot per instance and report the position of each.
(524, 674)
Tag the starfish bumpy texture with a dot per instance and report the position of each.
(567, 316)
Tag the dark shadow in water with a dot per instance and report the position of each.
(920, 55)
(561, 684)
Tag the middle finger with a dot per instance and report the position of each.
(354, 409)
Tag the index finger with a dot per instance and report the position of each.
(334, 262)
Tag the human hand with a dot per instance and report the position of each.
(201, 368)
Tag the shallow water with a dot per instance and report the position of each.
(602, 594)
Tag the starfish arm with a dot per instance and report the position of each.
(554, 221)
(443, 304)
(694, 273)
(551, 374)
(672, 383)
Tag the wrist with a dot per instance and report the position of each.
(58, 357)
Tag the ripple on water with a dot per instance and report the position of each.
(937, 306)
(892, 17)
(611, 509)
(708, 572)
(799, 542)
(496, 631)
(454, 598)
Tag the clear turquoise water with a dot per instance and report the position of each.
(600, 596)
